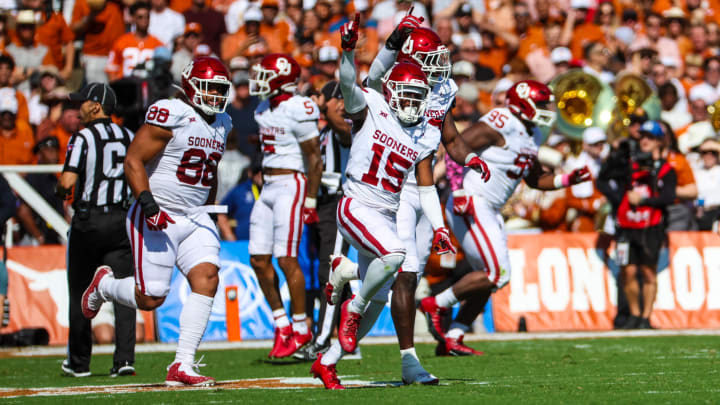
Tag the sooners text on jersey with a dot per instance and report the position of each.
(181, 177)
(283, 128)
(383, 152)
(508, 164)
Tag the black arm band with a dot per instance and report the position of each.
(148, 204)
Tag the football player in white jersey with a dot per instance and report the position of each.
(171, 167)
(421, 46)
(507, 140)
(291, 147)
(387, 145)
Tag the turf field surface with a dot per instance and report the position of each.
(641, 369)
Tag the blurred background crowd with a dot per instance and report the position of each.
(50, 48)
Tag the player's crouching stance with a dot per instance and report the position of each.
(171, 167)
(507, 140)
(387, 129)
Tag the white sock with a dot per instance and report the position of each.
(327, 326)
(446, 299)
(408, 353)
(372, 313)
(333, 355)
(299, 324)
(455, 333)
(193, 321)
(281, 319)
(120, 290)
(379, 271)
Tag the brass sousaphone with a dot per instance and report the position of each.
(582, 101)
(633, 96)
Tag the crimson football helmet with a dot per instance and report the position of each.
(200, 77)
(424, 47)
(406, 91)
(529, 100)
(276, 73)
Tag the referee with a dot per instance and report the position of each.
(94, 165)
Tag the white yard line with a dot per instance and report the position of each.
(267, 344)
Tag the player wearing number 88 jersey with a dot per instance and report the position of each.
(171, 167)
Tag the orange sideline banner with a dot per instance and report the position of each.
(38, 292)
(559, 282)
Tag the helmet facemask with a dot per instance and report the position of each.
(436, 64)
(207, 102)
(408, 100)
(544, 117)
(260, 81)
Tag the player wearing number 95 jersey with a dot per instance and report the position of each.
(507, 140)
(387, 145)
(171, 167)
(290, 144)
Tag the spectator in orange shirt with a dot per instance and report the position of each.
(27, 53)
(133, 48)
(578, 32)
(54, 33)
(7, 65)
(66, 124)
(248, 40)
(99, 27)
(16, 137)
(681, 214)
(272, 27)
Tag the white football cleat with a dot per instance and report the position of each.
(414, 373)
(342, 271)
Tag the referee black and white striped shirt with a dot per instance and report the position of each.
(97, 153)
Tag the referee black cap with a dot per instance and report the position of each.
(331, 90)
(98, 92)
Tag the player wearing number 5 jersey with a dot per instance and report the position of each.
(290, 145)
(171, 167)
(387, 145)
(507, 139)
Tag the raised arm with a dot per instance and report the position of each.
(355, 104)
(385, 59)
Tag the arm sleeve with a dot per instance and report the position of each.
(380, 65)
(430, 203)
(75, 152)
(666, 192)
(352, 93)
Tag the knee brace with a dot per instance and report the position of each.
(393, 261)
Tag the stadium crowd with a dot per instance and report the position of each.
(46, 53)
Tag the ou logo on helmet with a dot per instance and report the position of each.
(283, 66)
(523, 90)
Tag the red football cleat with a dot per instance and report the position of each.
(434, 313)
(293, 345)
(283, 336)
(180, 375)
(91, 298)
(327, 374)
(455, 347)
(347, 331)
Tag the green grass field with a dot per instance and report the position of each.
(679, 369)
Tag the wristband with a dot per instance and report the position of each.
(470, 156)
(310, 202)
(148, 204)
(561, 180)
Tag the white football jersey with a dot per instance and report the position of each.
(283, 128)
(383, 152)
(440, 103)
(508, 164)
(181, 176)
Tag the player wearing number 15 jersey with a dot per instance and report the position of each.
(387, 145)
(171, 167)
(507, 139)
(290, 143)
